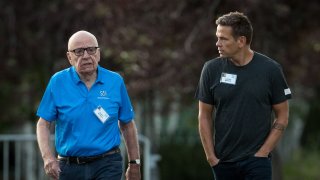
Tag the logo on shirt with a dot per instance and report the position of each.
(103, 95)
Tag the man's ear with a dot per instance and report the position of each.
(98, 54)
(242, 41)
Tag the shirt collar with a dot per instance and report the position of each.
(77, 79)
(99, 75)
(75, 75)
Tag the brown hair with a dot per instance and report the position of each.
(240, 24)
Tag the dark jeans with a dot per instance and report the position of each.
(109, 167)
(251, 168)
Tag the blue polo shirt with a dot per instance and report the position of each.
(79, 132)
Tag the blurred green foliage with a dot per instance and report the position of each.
(304, 165)
(311, 134)
(159, 47)
(183, 161)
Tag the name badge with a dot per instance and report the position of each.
(101, 114)
(228, 78)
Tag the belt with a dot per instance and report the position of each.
(87, 159)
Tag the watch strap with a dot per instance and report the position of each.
(136, 161)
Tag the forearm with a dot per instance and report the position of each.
(130, 135)
(281, 111)
(274, 136)
(51, 165)
(43, 137)
(206, 132)
(206, 136)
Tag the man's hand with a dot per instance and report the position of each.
(213, 161)
(261, 154)
(133, 172)
(51, 167)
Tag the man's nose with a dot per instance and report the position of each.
(85, 54)
(218, 43)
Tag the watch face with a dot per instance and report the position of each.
(138, 161)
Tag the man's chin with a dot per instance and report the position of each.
(223, 56)
(87, 71)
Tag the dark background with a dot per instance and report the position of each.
(159, 47)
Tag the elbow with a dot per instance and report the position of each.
(284, 121)
(126, 126)
(43, 125)
(40, 123)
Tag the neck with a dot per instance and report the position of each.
(88, 78)
(242, 58)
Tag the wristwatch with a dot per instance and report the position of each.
(136, 161)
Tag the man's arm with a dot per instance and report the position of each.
(51, 165)
(281, 111)
(130, 135)
(206, 132)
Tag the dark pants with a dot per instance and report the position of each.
(109, 167)
(252, 168)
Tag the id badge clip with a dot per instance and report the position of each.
(101, 114)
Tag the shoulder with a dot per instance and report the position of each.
(216, 62)
(214, 65)
(212, 69)
(109, 75)
(270, 67)
(62, 74)
(267, 62)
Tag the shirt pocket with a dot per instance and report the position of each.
(110, 106)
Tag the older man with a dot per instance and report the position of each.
(91, 107)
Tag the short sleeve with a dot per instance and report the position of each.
(280, 90)
(126, 113)
(47, 108)
(203, 91)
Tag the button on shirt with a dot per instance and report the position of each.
(79, 132)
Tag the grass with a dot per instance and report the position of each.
(305, 165)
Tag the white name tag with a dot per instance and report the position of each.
(101, 114)
(228, 78)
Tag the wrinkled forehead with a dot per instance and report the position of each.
(82, 39)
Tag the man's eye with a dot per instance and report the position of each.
(78, 50)
(91, 49)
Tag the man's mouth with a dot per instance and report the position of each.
(86, 64)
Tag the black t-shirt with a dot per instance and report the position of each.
(243, 97)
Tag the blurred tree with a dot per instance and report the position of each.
(158, 46)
